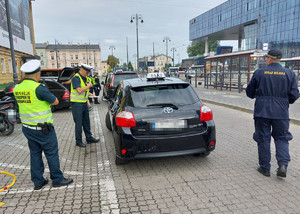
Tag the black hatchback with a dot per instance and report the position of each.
(159, 117)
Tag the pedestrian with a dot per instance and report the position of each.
(34, 101)
(97, 86)
(274, 88)
(79, 97)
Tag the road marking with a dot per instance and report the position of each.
(108, 194)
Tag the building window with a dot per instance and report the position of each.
(52, 57)
(72, 64)
(83, 57)
(53, 65)
(76, 56)
(10, 66)
(42, 62)
(71, 56)
(41, 54)
(3, 66)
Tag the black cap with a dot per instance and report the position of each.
(274, 54)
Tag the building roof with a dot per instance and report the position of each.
(67, 46)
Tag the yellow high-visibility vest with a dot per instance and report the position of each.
(75, 96)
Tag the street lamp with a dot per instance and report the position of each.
(166, 40)
(173, 49)
(56, 55)
(137, 17)
(112, 48)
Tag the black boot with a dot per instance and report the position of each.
(281, 171)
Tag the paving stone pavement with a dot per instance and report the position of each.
(224, 182)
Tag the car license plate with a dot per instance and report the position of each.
(169, 124)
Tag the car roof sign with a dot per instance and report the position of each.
(155, 76)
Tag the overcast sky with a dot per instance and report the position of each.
(108, 22)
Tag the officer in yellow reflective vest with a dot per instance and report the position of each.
(97, 86)
(79, 97)
(34, 101)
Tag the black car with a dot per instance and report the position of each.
(159, 117)
(113, 79)
(60, 91)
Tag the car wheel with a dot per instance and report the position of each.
(120, 161)
(107, 122)
(202, 154)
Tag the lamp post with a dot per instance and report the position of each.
(112, 48)
(166, 40)
(137, 17)
(56, 55)
(173, 49)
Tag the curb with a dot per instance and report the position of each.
(250, 111)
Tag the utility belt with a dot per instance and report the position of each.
(44, 127)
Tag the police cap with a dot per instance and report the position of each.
(274, 54)
(31, 67)
(86, 67)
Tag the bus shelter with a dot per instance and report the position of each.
(232, 70)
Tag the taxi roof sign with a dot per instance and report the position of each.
(156, 76)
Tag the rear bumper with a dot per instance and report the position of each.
(163, 146)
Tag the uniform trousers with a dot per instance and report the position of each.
(39, 142)
(81, 118)
(279, 130)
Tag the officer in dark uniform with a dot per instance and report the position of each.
(97, 86)
(79, 97)
(33, 99)
(274, 88)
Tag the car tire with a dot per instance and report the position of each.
(202, 154)
(120, 161)
(107, 122)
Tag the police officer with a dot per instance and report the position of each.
(79, 97)
(33, 99)
(274, 88)
(97, 86)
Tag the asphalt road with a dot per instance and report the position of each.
(224, 182)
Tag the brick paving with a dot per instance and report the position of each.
(224, 182)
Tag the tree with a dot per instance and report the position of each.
(112, 61)
(130, 66)
(198, 48)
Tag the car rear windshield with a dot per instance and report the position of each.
(176, 94)
(119, 77)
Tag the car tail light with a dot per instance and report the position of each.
(11, 90)
(212, 143)
(205, 113)
(123, 151)
(125, 119)
(112, 82)
(66, 95)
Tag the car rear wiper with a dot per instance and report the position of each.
(164, 105)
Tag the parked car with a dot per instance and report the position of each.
(159, 117)
(113, 79)
(60, 91)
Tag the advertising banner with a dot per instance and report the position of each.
(20, 24)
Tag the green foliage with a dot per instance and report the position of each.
(2, 86)
(198, 48)
(112, 61)
(130, 67)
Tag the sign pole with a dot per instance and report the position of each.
(12, 50)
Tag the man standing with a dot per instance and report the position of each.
(97, 86)
(274, 88)
(36, 116)
(79, 97)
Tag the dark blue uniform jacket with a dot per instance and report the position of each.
(274, 88)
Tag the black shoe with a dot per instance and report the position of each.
(80, 145)
(40, 187)
(97, 103)
(264, 171)
(93, 140)
(64, 182)
(281, 171)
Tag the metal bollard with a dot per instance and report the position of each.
(5, 188)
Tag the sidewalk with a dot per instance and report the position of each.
(236, 100)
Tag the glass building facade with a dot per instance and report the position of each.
(253, 23)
